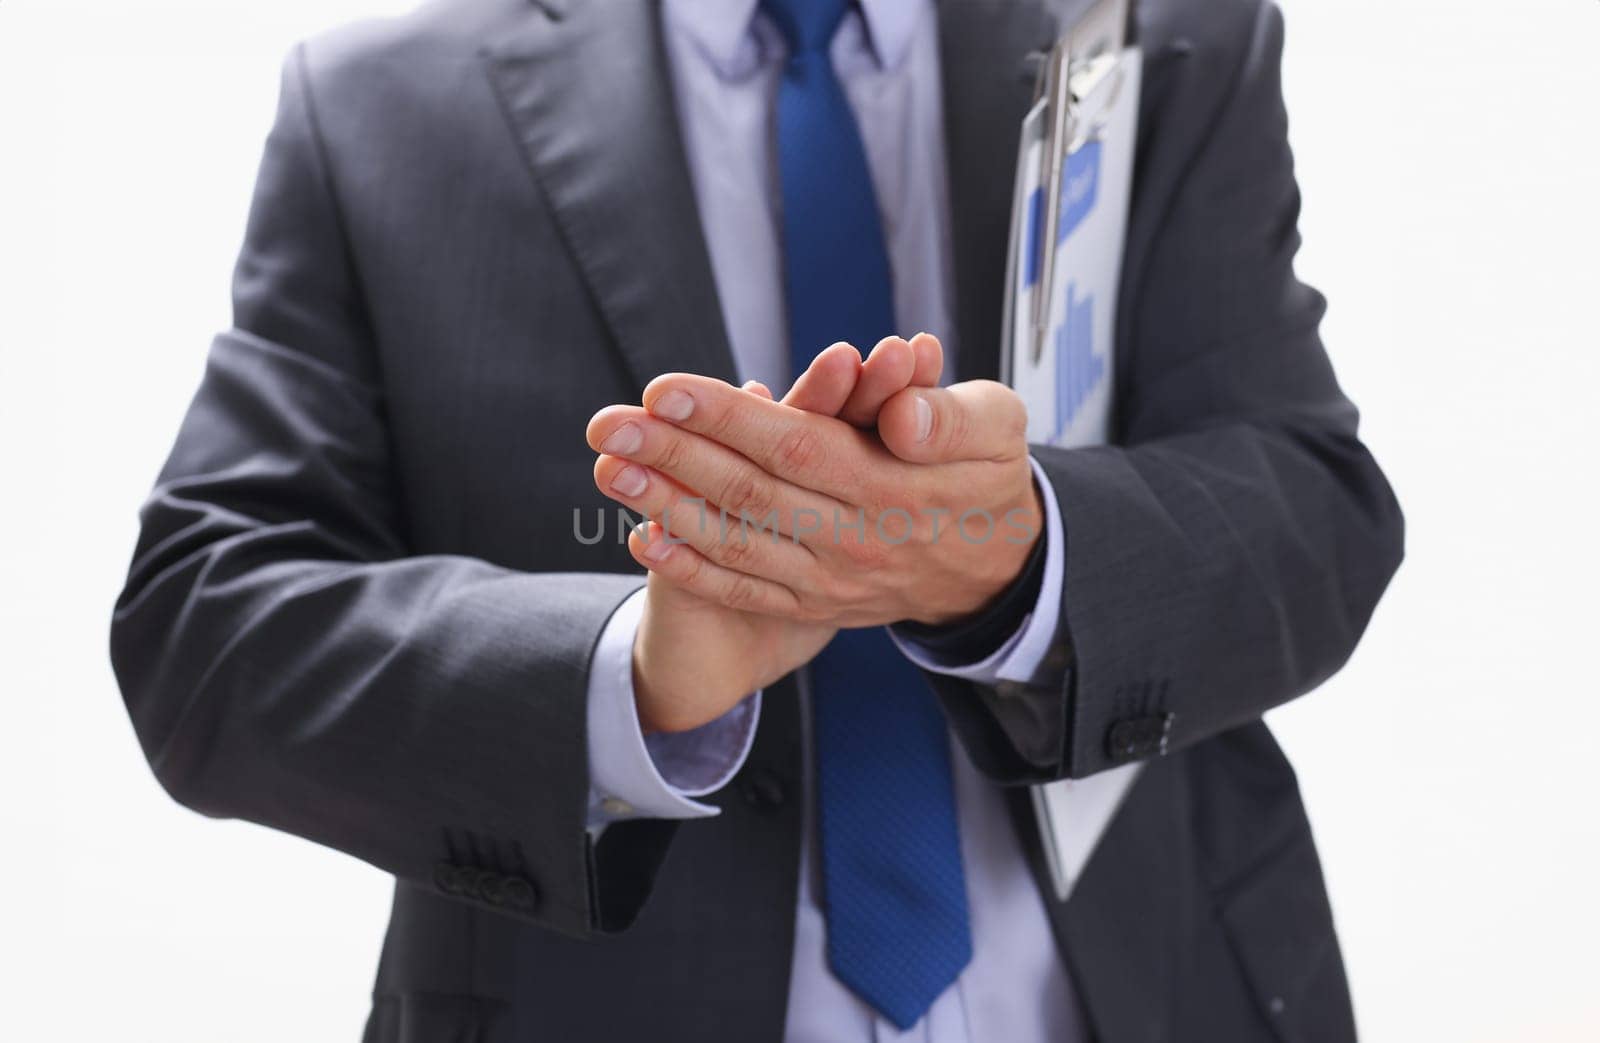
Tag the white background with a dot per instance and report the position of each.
(1448, 158)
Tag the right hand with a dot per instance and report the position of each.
(693, 659)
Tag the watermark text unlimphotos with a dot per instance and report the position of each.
(893, 526)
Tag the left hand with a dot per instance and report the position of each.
(694, 659)
(944, 493)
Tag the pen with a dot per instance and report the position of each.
(1055, 136)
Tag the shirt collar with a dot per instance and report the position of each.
(720, 28)
(723, 28)
(890, 26)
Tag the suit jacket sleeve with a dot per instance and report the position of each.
(1227, 554)
(286, 660)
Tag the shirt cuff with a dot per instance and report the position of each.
(632, 776)
(1020, 656)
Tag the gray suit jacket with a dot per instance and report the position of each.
(357, 611)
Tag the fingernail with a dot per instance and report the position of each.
(674, 405)
(624, 441)
(657, 549)
(924, 419)
(630, 481)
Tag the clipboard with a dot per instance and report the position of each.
(1069, 222)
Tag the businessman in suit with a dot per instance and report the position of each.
(775, 792)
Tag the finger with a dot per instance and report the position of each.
(726, 478)
(887, 370)
(827, 382)
(930, 360)
(755, 387)
(688, 568)
(692, 520)
(804, 450)
(975, 420)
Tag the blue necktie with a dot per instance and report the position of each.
(893, 886)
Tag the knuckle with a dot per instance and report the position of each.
(721, 423)
(691, 570)
(1013, 412)
(880, 498)
(743, 593)
(737, 550)
(869, 553)
(957, 427)
(747, 494)
(674, 453)
(872, 496)
(799, 448)
(1003, 407)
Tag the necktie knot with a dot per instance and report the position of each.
(807, 25)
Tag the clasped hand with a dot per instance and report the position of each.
(868, 496)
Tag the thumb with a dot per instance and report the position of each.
(975, 420)
(828, 382)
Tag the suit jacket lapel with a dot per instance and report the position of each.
(988, 87)
(585, 87)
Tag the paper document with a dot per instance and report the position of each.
(1069, 222)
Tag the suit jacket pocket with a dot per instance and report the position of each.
(1281, 928)
(431, 1017)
